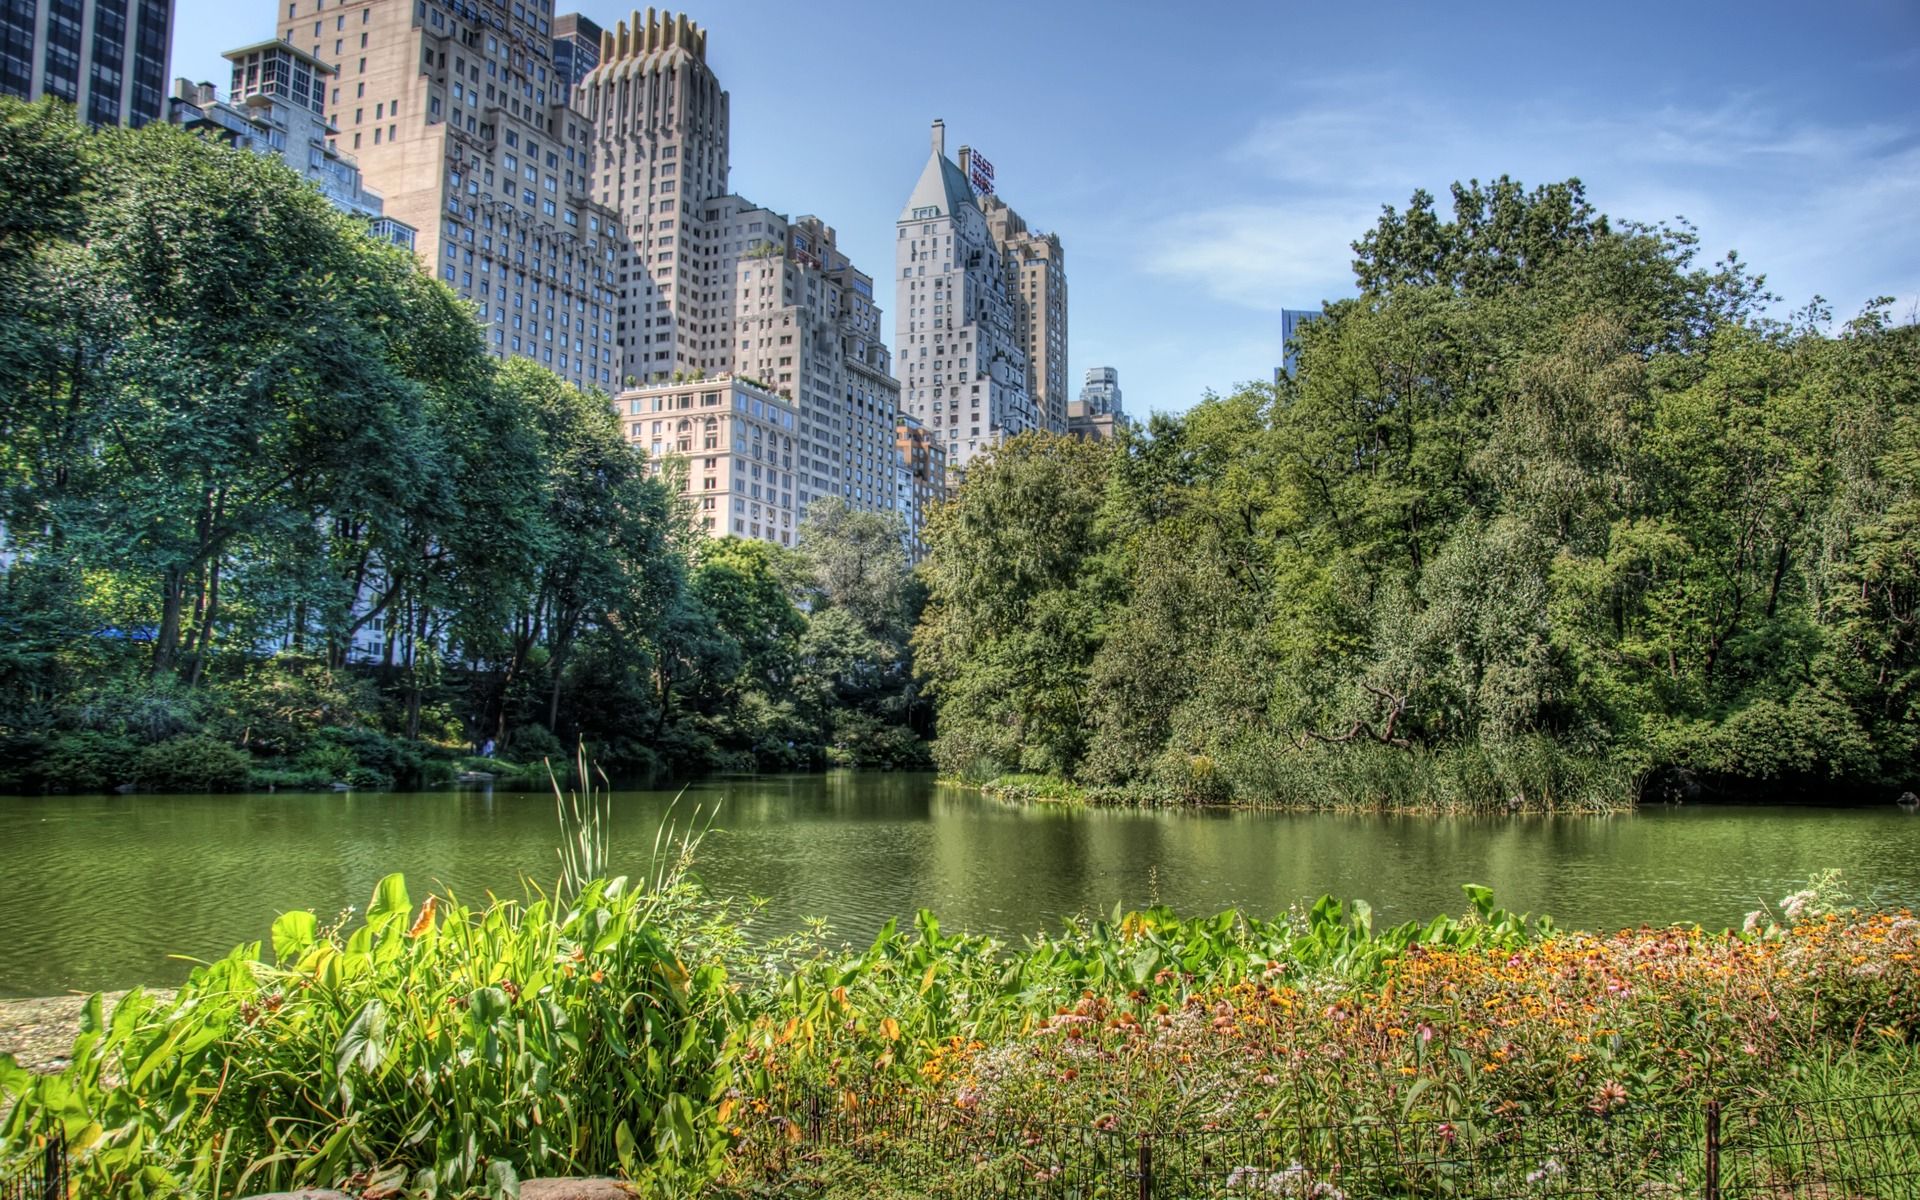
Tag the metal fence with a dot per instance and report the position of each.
(44, 1177)
(1831, 1149)
(1851, 1148)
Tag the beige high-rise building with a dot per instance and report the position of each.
(730, 441)
(457, 117)
(961, 353)
(920, 469)
(658, 121)
(1036, 267)
(722, 287)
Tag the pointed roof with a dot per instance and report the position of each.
(942, 186)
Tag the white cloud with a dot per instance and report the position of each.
(1821, 207)
(1261, 256)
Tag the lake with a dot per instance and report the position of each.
(100, 891)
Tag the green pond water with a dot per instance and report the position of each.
(101, 891)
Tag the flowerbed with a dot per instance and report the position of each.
(1447, 1030)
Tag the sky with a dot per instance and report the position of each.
(1208, 164)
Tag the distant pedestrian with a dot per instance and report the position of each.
(486, 748)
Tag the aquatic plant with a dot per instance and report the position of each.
(443, 1050)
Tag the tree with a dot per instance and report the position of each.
(1007, 636)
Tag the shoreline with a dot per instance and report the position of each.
(38, 1031)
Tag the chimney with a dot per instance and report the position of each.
(939, 136)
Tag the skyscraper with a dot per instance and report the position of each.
(963, 362)
(1291, 319)
(107, 58)
(1097, 415)
(277, 106)
(1101, 395)
(576, 48)
(723, 288)
(1036, 267)
(457, 116)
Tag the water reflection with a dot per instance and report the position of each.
(98, 891)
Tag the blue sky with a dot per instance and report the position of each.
(1208, 164)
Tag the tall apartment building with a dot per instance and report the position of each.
(277, 106)
(107, 58)
(921, 470)
(962, 354)
(1097, 415)
(658, 119)
(576, 48)
(731, 443)
(457, 116)
(1036, 267)
(1101, 394)
(720, 287)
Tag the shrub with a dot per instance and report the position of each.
(281, 705)
(366, 778)
(326, 758)
(531, 743)
(436, 771)
(144, 710)
(86, 761)
(192, 764)
(866, 741)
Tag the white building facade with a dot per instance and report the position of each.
(961, 359)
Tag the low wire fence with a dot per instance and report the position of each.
(43, 1177)
(1850, 1148)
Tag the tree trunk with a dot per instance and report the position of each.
(166, 640)
(413, 678)
(203, 641)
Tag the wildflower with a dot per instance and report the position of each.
(1612, 1095)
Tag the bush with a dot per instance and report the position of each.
(88, 762)
(282, 705)
(326, 758)
(145, 710)
(1046, 788)
(436, 771)
(862, 740)
(394, 760)
(531, 743)
(192, 764)
(366, 778)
